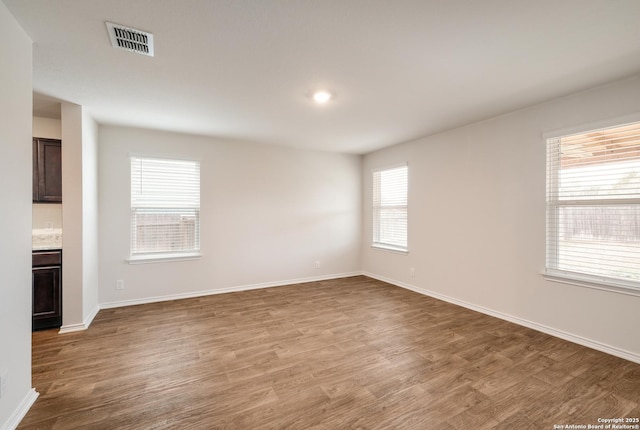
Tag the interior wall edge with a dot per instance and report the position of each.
(20, 412)
(70, 328)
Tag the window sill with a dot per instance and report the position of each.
(597, 283)
(164, 258)
(392, 249)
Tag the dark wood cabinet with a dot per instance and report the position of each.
(47, 170)
(46, 283)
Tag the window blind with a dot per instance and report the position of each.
(165, 207)
(390, 207)
(593, 204)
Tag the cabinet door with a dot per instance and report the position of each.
(49, 170)
(35, 170)
(47, 304)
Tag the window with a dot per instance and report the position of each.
(593, 206)
(165, 208)
(390, 208)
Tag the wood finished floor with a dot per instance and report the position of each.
(352, 353)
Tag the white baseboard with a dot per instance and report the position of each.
(70, 328)
(21, 411)
(618, 352)
(89, 319)
(627, 355)
(203, 293)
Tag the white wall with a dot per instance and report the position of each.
(15, 219)
(477, 220)
(79, 218)
(72, 222)
(49, 128)
(45, 214)
(268, 213)
(90, 246)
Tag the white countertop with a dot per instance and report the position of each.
(47, 238)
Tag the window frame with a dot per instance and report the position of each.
(159, 257)
(381, 245)
(551, 272)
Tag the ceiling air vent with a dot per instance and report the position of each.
(130, 39)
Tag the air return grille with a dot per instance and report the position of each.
(130, 39)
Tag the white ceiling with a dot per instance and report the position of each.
(400, 69)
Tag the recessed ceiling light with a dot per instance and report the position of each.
(321, 97)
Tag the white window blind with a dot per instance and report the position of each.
(593, 205)
(165, 207)
(390, 208)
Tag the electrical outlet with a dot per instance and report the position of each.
(412, 272)
(317, 264)
(4, 377)
(119, 284)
